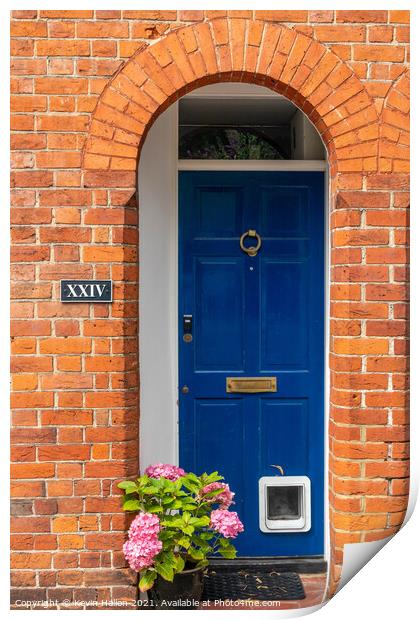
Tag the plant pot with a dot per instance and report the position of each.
(184, 592)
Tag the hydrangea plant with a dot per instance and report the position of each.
(182, 519)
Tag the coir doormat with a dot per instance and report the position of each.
(252, 584)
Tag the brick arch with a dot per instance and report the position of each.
(272, 55)
(336, 101)
(394, 148)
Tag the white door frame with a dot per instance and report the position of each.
(248, 165)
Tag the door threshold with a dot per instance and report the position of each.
(312, 565)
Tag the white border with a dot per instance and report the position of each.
(366, 593)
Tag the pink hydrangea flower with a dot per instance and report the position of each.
(141, 555)
(164, 470)
(225, 498)
(143, 543)
(226, 523)
(145, 524)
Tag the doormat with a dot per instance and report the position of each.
(253, 585)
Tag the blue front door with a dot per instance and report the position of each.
(253, 316)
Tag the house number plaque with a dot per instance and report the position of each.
(86, 291)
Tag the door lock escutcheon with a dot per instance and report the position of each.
(187, 325)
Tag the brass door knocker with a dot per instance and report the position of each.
(253, 249)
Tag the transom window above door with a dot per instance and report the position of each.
(231, 143)
(237, 121)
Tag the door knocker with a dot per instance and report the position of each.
(253, 249)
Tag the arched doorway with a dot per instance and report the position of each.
(279, 160)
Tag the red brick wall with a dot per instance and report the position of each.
(86, 86)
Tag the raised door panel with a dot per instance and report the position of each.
(284, 315)
(219, 314)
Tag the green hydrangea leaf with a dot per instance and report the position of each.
(165, 570)
(131, 504)
(196, 554)
(128, 486)
(180, 563)
(228, 551)
(147, 580)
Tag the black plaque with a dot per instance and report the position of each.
(86, 291)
